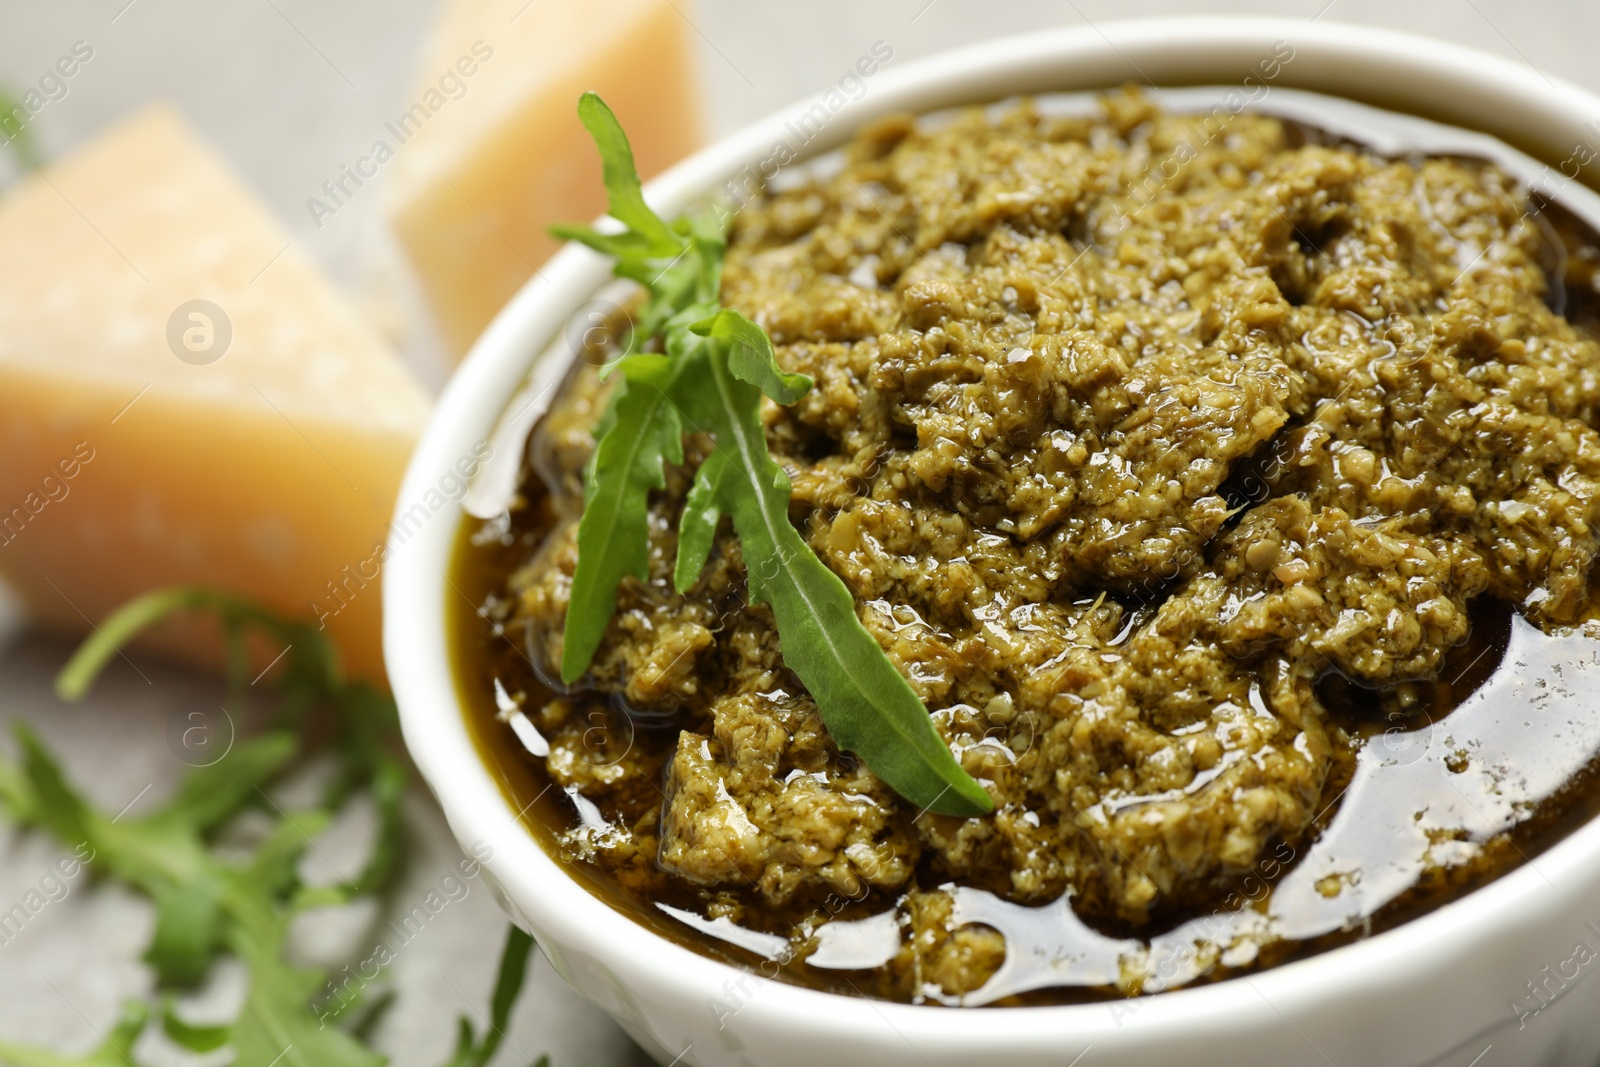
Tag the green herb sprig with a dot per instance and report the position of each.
(18, 136)
(709, 377)
(209, 904)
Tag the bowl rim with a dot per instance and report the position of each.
(560, 909)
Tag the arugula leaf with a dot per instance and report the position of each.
(194, 1037)
(866, 704)
(275, 1025)
(207, 905)
(641, 429)
(646, 233)
(697, 525)
(115, 1051)
(143, 612)
(613, 534)
(162, 854)
(204, 905)
(189, 929)
(715, 368)
(19, 137)
(369, 724)
(477, 1052)
(750, 356)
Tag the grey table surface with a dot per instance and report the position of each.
(286, 89)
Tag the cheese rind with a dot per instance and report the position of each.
(264, 471)
(475, 190)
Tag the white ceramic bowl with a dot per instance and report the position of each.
(1456, 986)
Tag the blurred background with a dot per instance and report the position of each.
(289, 92)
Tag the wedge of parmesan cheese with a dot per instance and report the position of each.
(493, 152)
(185, 398)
